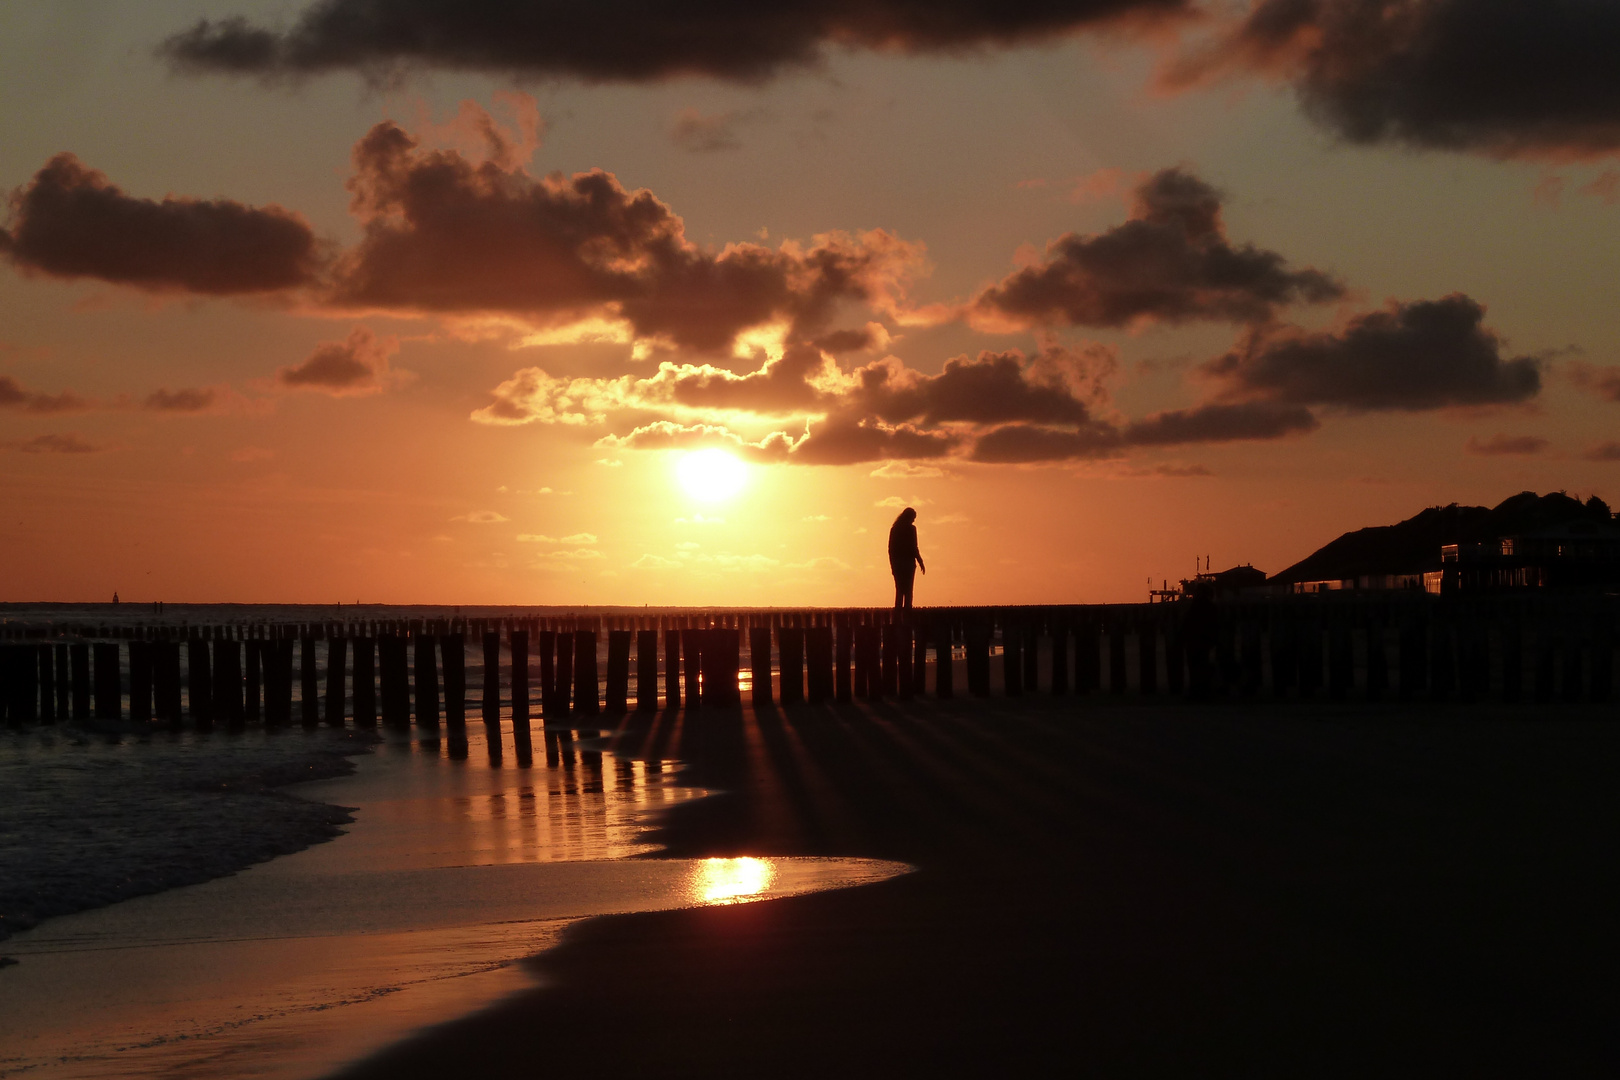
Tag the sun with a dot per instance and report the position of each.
(711, 475)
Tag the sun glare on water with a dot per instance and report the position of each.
(730, 881)
(711, 475)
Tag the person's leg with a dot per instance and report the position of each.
(904, 584)
(899, 591)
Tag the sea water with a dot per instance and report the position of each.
(453, 871)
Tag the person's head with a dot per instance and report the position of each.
(907, 516)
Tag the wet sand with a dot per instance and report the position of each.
(1113, 889)
(451, 873)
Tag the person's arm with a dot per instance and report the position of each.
(920, 562)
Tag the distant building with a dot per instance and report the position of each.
(1574, 555)
(1527, 541)
(1223, 584)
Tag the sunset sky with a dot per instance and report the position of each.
(428, 303)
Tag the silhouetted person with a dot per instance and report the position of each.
(904, 558)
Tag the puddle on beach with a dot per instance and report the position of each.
(452, 871)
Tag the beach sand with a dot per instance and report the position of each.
(1109, 889)
(451, 873)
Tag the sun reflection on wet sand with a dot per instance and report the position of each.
(731, 881)
(451, 872)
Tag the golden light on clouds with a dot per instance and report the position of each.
(711, 475)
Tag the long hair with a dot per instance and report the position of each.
(906, 517)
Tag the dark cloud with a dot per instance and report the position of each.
(14, 396)
(994, 388)
(1505, 77)
(71, 222)
(839, 342)
(444, 233)
(1220, 423)
(1008, 407)
(1609, 451)
(840, 439)
(187, 400)
(625, 40)
(67, 443)
(1170, 262)
(352, 367)
(698, 133)
(1427, 354)
(1021, 443)
(1602, 381)
(1507, 445)
(844, 439)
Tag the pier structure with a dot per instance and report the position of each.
(400, 672)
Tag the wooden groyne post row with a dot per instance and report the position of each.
(1404, 648)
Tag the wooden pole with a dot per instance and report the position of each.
(63, 683)
(200, 682)
(647, 671)
(888, 666)
(1377, 659)
(692, 662)
(1147, 656)
(393, 670)
(337, 664)
(818, 655)
(759, 663)
(1175, 657)
(976, 644)
(1512, 660)
(1308, 657)
(1572, 666)
(587, 684)
(1414, 657)
(170, 696)
(1443, 658)
(790, 653)
(1602, 660)
(47, 684)
(944, 661)
(8, 686)
(1032, 656)
(365, 682)
(1284, 643)
(427, 681)
(902, 661)
(79, 656)
(278, 666)
(140, 682)
(1087, 661)
(109, 682)
(453, 648)
(227, 677)
(545, 643)
(843, 647)
(1060, 658)
(492, 677)
(1118, 680)
(563, 687)
(1012, 661)
(255, 669)
(672, 668)
(1341, 658)
(518, 656)
(618, 671)
(1252, 663)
